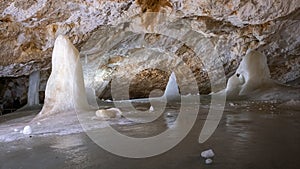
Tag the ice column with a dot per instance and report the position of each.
(33, 89)
(65, 87)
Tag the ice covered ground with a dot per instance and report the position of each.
(63, 123)
(251, 134)
(66, 123)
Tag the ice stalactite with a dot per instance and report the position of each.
(65, 88)
(33, 89)
(172, 91)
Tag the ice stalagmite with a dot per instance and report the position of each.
(65, 87)
(252, 80)
(252, 75)
(255, 72)
(172, 91)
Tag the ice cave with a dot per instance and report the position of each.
(150, 84)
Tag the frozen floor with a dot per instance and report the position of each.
(251, 135)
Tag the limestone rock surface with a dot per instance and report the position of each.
(28, 29)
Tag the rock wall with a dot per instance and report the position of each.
(28, 30)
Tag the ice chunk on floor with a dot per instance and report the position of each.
(231, 104)
(172, 91)
(208, 161)
(108, 113)
(27, 130)
(208, 153)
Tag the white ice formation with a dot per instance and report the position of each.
(172, 91)
(208, 153)
(33, 89)
(108, 113)
(252, 80)
(27, 130)
(65, 87)
(151, 109)
(252, 74)
(208, 161)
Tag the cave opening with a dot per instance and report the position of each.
(147, 81)
(13, 93)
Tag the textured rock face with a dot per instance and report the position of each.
(28, 30)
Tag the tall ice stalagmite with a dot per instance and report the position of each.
(65, 87)
(251, 78)
(172, 91)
